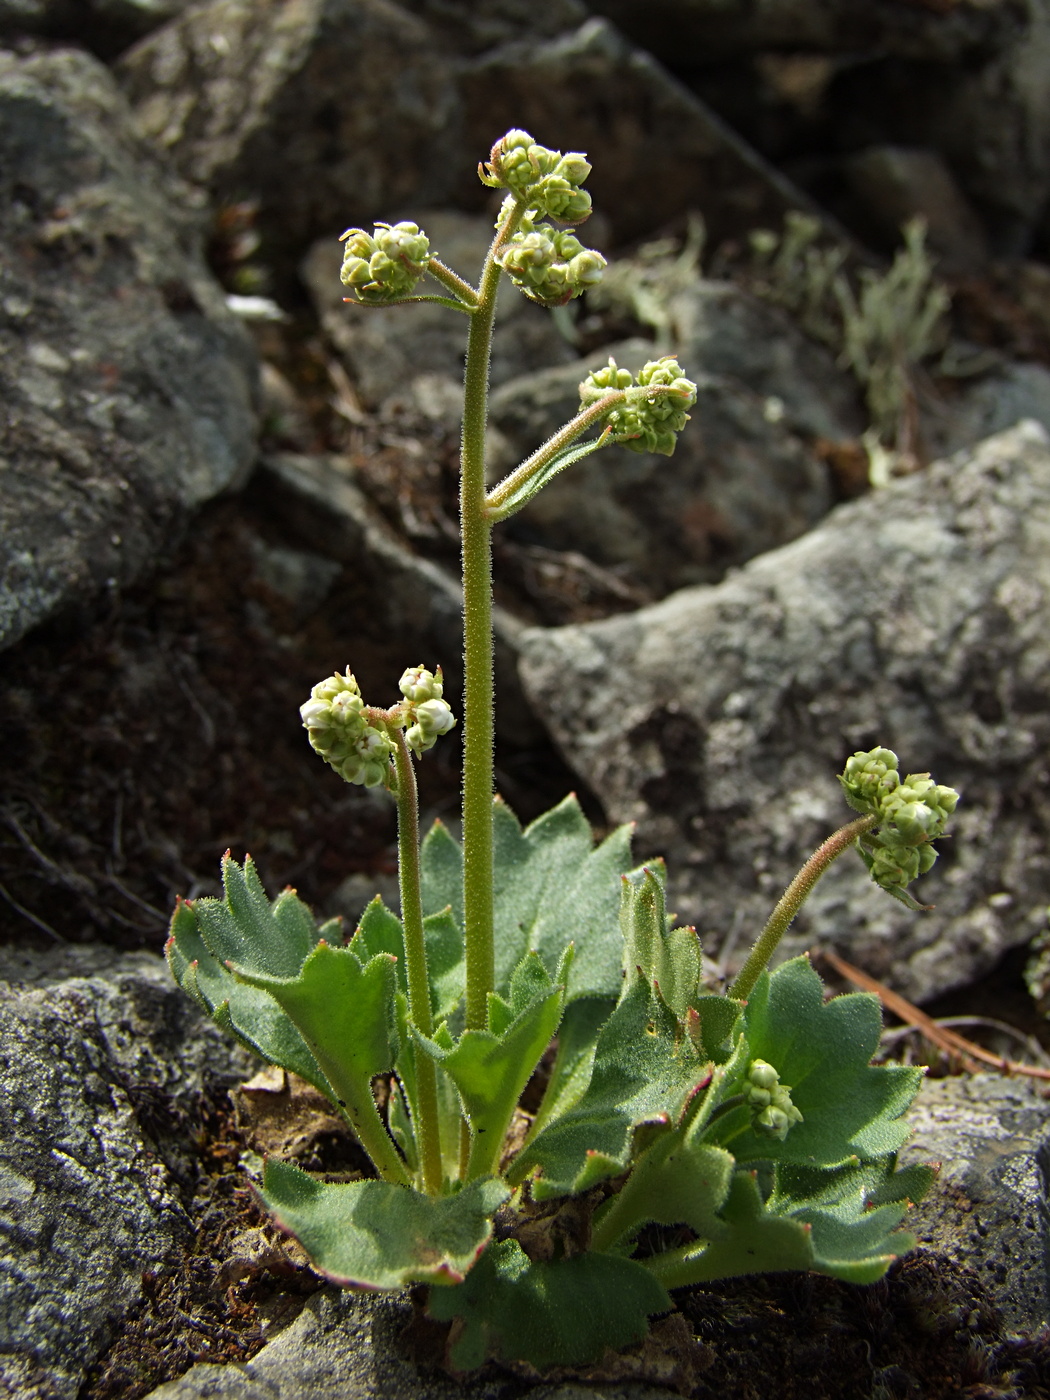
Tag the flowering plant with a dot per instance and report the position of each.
(750, 1119)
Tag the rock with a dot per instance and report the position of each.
(329, 112)
(988, 1207)
(980, 69)
(718, 719)
(739, 481)
(693, 32)
(722, 329)
(896, 184)
(337, 112)
(102, 1058)
(402, 595)
(129, 388)
(656, 149)
(412, 356)
(989, 405)
(103, 26)
(349, 1347)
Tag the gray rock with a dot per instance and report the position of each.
(412, 356)
(128, 386)
(896, 184)
(739, 482)
(693, 32)
(101, 1055)
(329, 112)
(317, 502)
(104, 26)
(719, 718)
(656, 149)
(348, 1347)
(337, 112)
(988, 1208)
(722, 329)
(989, 405)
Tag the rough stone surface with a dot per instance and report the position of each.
(718, 719)
(990, 405)
(739, 481)
(412, 356)
(128, 387)
(980, 68)
(401, 594)
(347, 1347)
(336, 112)
(656, 148)
(329, 112)
(104, 26)
(101, 1056)
(722, 329)
(988, 1208)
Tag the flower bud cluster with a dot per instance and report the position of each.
(912, 812)
(653, 411)
(551, 266)
(548, 180)
(427, 713)
(772, 1111)
(386, 264)
(341, 733)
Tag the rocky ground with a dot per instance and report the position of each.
(220, 484)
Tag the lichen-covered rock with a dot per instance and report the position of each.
(988, 1207)
(128, 387)
(718, 718)
(329, 112)
(739, 481)
(101, 1057)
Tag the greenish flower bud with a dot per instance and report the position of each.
(772, 1111)
(653, 412)
(548, 180)
(419, 684)
(384, 265)
(868, 777)
(551, 266)
(432, 719)
(340, 732)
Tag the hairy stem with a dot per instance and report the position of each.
(478, 725)
(460, 288)
(792, 900)
(427, 1126)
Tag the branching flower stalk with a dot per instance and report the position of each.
(754, 1118)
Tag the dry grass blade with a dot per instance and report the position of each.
(947, 1040)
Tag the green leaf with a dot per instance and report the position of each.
(375, 1234)
(490, 1069)
(675, 1182)
(441, 872)
(562, 1313)
(822, 1050)
(712, 1019)
(525, 492)
(346, 1014)
(668, 958)
(251, 1015)
(552, 887)
(245, 928)
(578, 1033)
(644, 1070)
(842, 1223)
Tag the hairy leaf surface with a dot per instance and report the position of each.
(375, 1234)
(562, 1313)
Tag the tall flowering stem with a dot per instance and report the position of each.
(478, 721)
